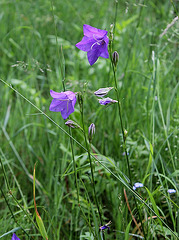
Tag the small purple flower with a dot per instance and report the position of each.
(170, 191)
(95, 43)
(137, 185)
(105, 226)
(106, 101)
(102, 91)
(14, 237)
(63, 102)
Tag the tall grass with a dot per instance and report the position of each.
(38, 53)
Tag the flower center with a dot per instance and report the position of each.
(98, 42)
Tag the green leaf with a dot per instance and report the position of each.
(38, 218)
(127, 231)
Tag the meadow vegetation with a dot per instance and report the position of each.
(38, 53)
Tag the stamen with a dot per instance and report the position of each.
(97, 41)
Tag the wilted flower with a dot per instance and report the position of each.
(95, 43)
(72, 124)
(14, 237)
(102, 91)
(137, 185)
(106, 101)
(170, 191)
(63, 102)
(91, 131)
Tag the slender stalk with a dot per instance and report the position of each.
(120, 116)
(124, 137)
(17, 202)
(74, 166)
(91, 165)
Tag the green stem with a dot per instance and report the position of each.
(17, 202)
(74, 166)
(91, 165)
(123, 135)
(120, 116)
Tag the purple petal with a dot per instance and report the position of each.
(70, 95)
(106, 101)
(67, 111)
(85, 44)
(90, 31)
(58, 105)
(93, 55)
(104, 50)
(102, 91)
(60, 95)
(14, 237)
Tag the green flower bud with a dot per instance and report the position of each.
(115, 58)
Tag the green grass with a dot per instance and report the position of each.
(37, 52)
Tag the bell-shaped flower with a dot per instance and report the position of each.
(14, 237)
(95, 43)
(63, 102)
(106, 101)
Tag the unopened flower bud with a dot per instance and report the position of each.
(111, 32)
(102, 91)
(72, 124)
(106, 101)
(91, 132)
(115, 58)
(125, 134)
(80, 100)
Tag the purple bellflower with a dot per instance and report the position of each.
(14, 237)
(95, 43)
(170, 191)
(106, 101)
(137, 185)
(63, 102)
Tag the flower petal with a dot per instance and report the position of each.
(58, 105)
(14, 237)
(85, 44)
(68, 110)
(93, 55)
(70, 95)
(106, 101)
(90, 31)
(60, 95)
(104, 50)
